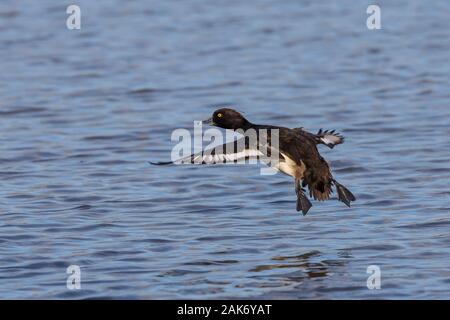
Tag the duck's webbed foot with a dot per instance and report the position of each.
(303, 203)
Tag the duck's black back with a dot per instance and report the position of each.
(301, 147)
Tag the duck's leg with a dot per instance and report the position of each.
(303, 204)
(344, 194)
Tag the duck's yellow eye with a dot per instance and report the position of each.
(219, 115)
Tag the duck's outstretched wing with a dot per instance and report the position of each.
(231, 152)
(326, 137)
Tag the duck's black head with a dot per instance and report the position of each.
(228, 119)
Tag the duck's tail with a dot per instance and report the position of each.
(329, 138)
(344, 194)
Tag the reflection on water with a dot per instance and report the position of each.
(301, 263)
(83, 111)
(297, 271)
(297, 262)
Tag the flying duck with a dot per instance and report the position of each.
(296, 149)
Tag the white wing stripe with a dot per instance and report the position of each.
(207, 158)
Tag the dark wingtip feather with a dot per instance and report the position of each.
(160, 163)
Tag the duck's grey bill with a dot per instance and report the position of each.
(208, 121)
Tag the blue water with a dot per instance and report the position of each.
(82, 111)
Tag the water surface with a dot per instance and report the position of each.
(82, 111)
